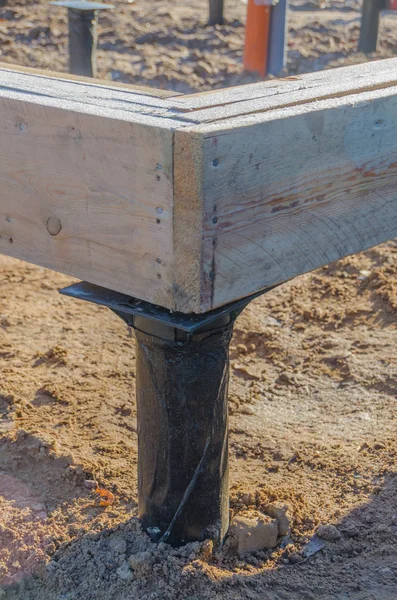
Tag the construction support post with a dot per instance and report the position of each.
(370, 25)
(83, 20)
(182, 375)
(215, 12)
(257, 31)
(277, 57)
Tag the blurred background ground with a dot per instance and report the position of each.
(313, 413)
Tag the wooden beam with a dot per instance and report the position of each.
(103, 84)
(303, 174)
(297, 190)
(86, 181)
(192, 202)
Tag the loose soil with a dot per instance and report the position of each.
(313, 413)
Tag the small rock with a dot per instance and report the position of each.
(250, 531)
(295, 558)
(124, 572)
(248, 500)
(379, 446)
(6, 425)
(10, 14)
(242, 348)
(90, 484)
(351, 532)
(279, 512)
(386, 571)
(328, 533)
(202, 69)
(35, 32)
(119, 545)
(285, 379)
(141, 563)
(364, 274)
(37, 506)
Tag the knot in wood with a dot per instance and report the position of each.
(54, 225)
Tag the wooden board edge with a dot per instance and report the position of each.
(137, 89)
(187, 222)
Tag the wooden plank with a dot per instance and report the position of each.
(192, 211)
(293, 189)
(350, 79)
(73, 95)
(106, 184)
(90, 81)
(190, 283)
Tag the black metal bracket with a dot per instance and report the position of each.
(132, 310)
(182, 375)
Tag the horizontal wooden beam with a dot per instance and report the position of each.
(86, 181)
(191, 202)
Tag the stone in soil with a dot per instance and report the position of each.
(250, 531)
(329, 533)
(278, 511)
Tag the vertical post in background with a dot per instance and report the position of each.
(370, 25)
(277, 58)
(83, 19)
(82, 42)
(215, 12)
(257, 31)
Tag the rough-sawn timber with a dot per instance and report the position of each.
(191, 202)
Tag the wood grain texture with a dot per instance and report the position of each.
(194, 205)
(268, 95)
(79, 96)
(190, 282)
(298, 188)
(89, 81)
(108, 182)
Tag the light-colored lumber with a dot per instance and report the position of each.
(193, 202)
(86, 181)
(236, 100)
(90, 81)
(297, 188)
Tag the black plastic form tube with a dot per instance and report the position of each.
(182, 386)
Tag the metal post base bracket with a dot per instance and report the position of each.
(182, 376)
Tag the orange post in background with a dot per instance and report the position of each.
(257, 30)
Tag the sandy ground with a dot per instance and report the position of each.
(313, 410)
